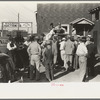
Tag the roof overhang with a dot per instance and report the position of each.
(81, 21)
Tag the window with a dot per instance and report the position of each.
(95, 16)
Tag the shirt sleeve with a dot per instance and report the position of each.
(8, 46)
(14, 46)
(77, 50)
(85, 50)
(39, 49)
(28, 49)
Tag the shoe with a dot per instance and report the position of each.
(49, 80)
(63, 70)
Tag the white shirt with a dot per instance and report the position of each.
(81, 50)
(27, 43)
(49, 35)
(62, 45)
(87, 42)
(9, 47)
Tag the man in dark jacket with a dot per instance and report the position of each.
(48, 61)
(91, 58)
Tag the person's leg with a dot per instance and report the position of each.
(47, 71)
(51, 71)
(32, 67)
(37, 69)
(82, 65)
(70, 59)
(54, 61)
(31, 71)
(66, 62)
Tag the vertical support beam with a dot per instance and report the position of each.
(84, 33)
(99, 14)
(2, 30)
(70, 30)
(31, 28)
(18, 21)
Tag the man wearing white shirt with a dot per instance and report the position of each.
(62, 51)
(82, 53)
(11, 49)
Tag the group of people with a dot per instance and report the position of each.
(68, 52)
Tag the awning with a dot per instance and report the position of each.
(82, 21)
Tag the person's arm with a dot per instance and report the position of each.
(44, 55)
(39, 50)
(8, 46)
(85, 51)
(14, 46)
(28, 50)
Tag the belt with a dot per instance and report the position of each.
(34, 54)
(61, 49)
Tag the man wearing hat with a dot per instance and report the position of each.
(69, 50)
(59, 29)
(54, 50)
(47, 57)
(34, 52)
(82, 53)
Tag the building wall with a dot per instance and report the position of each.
(96, 35)
(64, 13)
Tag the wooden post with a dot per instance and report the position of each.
(84, 33)
(31, 28)
(2, 30)
(18, 21)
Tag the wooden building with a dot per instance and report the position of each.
(71, 14)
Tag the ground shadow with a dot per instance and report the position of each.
(96, 72)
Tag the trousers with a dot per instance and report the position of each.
(82, 66)
(49, 70)
(68, 61)
(54, 59)
(35, 62)
(62, 52)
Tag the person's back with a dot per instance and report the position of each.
(34, 48)
(69, 47)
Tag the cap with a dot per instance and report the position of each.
(36, 37)
(63, 39)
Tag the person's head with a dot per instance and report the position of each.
(83, 39)
(63, 39)
(72, 38)
(91, 39)
(54, 37)
(59, 25)
(48, 43)
(68, 37)
(36, 38)
(19, 34)
(11, 39)
(88, 38)
(32, 38)
(51, 25)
